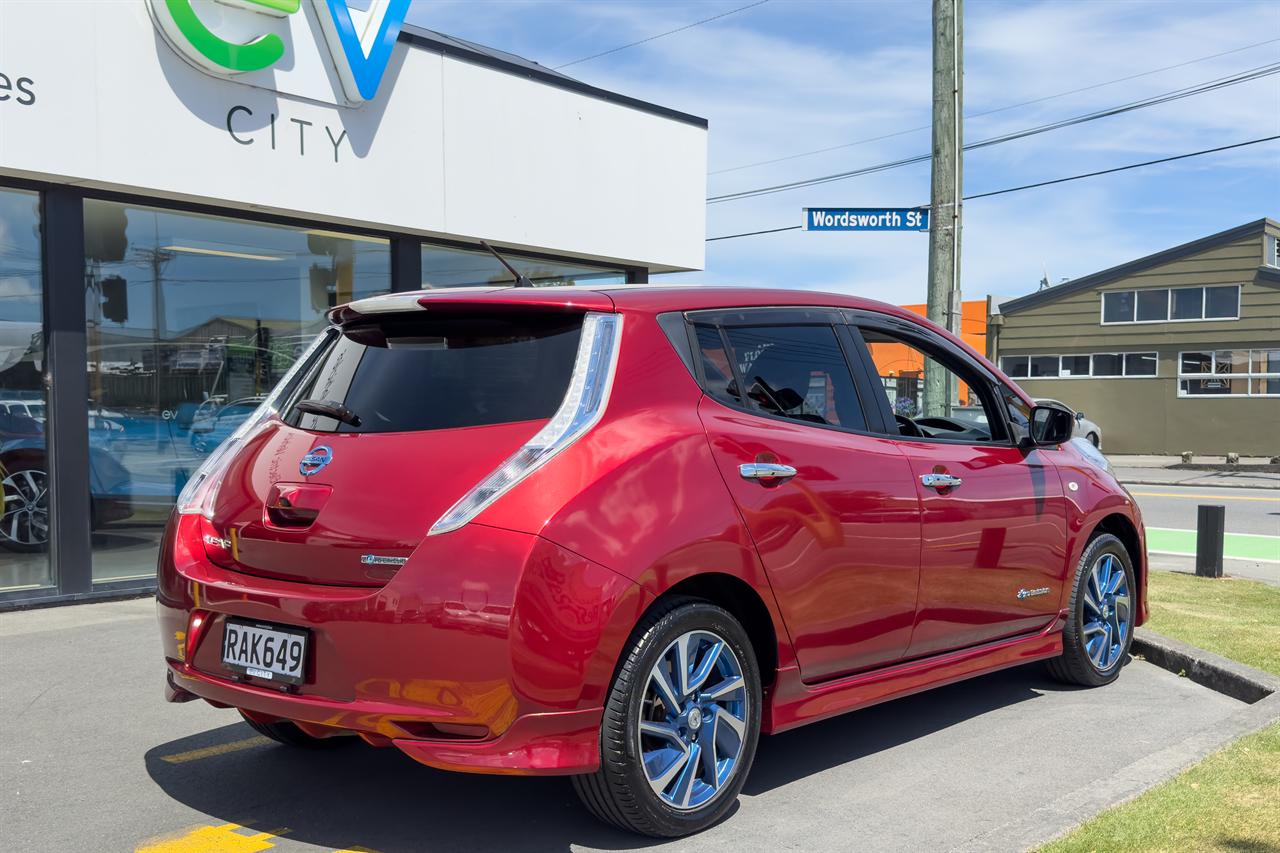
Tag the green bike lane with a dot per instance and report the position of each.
(1239, 546)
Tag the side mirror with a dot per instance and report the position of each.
(1079, 417)
(1050, 424)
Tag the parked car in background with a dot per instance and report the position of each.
(24, 476)
(212, 426)
(619, 534)
(1084, 428)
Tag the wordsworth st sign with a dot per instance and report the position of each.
(866, 219)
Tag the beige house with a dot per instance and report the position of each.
(1176, 351)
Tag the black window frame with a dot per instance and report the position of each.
(765, 317)
(973, 373)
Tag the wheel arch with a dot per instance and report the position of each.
(742, 602)
(1123, 528)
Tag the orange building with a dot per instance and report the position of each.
(897, 360)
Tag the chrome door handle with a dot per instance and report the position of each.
(940, 481)
(765, 471)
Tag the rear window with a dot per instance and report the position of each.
(409, 373)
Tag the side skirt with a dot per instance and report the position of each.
(792, 703)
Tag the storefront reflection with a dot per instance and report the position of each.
(24, 524)
(191, 321)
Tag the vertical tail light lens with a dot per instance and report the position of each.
(583, 405)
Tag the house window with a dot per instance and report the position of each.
(1229, 373)
(1171, 304)
(1271, 251)
(1102, 364)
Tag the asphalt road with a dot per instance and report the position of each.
(1255, 511)
(92, 759)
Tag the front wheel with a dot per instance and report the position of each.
(1099, 630)
(680, 724)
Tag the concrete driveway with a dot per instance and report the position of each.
(91, 758)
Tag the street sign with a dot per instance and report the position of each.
(866, 219)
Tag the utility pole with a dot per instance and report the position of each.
(944, 301)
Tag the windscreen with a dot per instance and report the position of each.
(416, 372)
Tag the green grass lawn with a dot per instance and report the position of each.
(1231, 800)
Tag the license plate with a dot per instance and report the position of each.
(270, 652)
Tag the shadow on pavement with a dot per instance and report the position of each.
(358, 796)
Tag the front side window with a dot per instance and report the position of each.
(1229, 373)
(938, 400)
(796, 372)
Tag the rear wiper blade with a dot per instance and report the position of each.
(329, 409)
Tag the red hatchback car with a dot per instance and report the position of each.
(618, 533)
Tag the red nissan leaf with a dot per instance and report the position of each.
(618, 533)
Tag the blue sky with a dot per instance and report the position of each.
(795, 75)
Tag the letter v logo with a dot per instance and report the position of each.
(367, 53)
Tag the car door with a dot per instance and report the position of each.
(827, 498)
(993, 526)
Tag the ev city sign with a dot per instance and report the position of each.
(248, 40)
(866, 219)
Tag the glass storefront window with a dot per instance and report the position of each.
(191, 320)
(448, 267)
(24, 527)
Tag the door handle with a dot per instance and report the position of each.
(765, 471)
(940, 481)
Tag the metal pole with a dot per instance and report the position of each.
(944, 302)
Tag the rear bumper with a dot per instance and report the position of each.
(490, 651)
(549, 744)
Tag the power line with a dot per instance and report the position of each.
(1043, 183)
(663, 35)
(1175, 95)
(995, 110)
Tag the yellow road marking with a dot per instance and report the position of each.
(1202, 497)
(210, 839)
(220, 749)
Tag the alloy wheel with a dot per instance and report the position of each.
(1107, 617)
(26, 508)
(693, 720)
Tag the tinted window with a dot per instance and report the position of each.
(715, 365)
(797, 372)
(1044, 365)
(1140, 364)
(1107, 364)
(1187, 303)
(1221, 301)
(1153, 304)
(1117, 307)
(410, 373)
(1075, 365)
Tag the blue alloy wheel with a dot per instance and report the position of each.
(1107, 615)
(693, 720)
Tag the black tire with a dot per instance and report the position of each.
(289, 734)
(1075, 666)
(619, 792)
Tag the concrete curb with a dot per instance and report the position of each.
(1205, 668)
(1064, 814)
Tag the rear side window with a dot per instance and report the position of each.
(796, 372)
(409, 373)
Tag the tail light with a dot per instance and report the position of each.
(581, 409)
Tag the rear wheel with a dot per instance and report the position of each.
(680, 725)
(1099, 630)
(289, 734)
